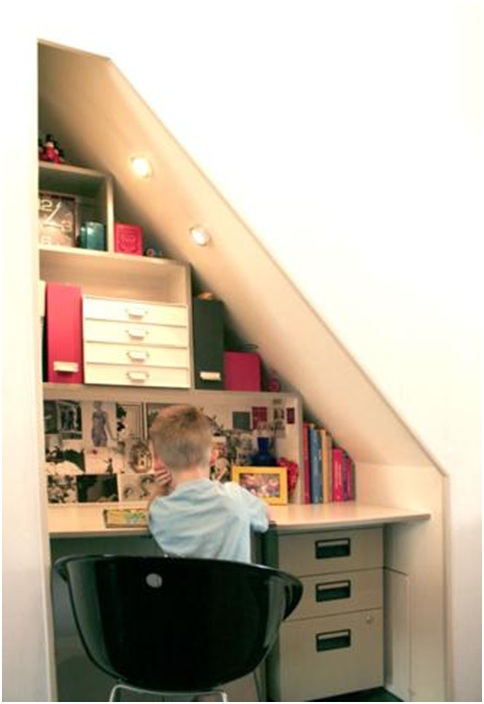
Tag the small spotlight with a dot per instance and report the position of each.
(200, 235)
(141, 166)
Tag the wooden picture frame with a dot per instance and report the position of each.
(268, 483)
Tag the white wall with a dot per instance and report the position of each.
(27, 653)
(351, 131)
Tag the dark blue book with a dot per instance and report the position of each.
(316, 465)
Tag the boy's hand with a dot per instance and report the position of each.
(163, 483)
(163, 479)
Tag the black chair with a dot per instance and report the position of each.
(172, 626)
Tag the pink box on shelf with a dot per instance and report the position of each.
(242, 371)
(128, 239)
(63, 317)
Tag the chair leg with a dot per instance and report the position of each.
(115, 694)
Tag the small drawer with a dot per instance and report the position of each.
(107, 353)
(339, 593)
(327, 656)
(125, 375)
(134, 333)
(134, 311)
(331, 551)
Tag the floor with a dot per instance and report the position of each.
(369, 695)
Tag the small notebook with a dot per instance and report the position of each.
(125, 518)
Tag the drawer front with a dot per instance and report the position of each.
(134, 333)
(126, 375)
(134, 311)
(106, 353)
(328, 656)
(331, 551)
(339, 593)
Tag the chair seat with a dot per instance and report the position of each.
(178, 624)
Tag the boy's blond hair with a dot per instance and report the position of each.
(181, 437)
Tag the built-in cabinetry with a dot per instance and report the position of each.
(137, 349)
(136, 318)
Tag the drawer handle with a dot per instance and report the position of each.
(138, 355)
(139, 333)
(326, 549)
(331, 591)
(332, 640)
(138, 376)
(66, 367)
(210, 376)
(136, 311)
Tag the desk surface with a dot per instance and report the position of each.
(88, 521)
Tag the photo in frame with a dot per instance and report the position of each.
(268, 483)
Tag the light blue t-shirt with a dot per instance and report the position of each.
(205, 518)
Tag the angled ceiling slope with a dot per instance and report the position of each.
(101, 121)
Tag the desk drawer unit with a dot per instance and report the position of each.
(333, 641)
(130, 343)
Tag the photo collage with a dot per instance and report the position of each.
(99, 451)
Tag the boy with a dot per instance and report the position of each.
(189, 514)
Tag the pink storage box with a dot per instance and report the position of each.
(242, 371)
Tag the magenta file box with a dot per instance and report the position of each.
(242, 371)
(63, 317)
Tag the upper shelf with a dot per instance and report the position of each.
(116, 275)
(105, 273)
(66, 178)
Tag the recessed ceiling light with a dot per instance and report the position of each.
(200, 235)
(141, 166)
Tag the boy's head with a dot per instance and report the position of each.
(181, 437)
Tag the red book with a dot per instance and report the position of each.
(63, 319)
(306, 465)
(349, 477)
(338, 480)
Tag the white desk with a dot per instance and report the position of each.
(87, 521)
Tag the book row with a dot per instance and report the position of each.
(328, 470)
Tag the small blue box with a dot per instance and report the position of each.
(92, 235)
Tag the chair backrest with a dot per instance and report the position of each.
(166, 623)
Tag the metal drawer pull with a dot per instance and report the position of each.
(210, 376)
(325, 549)
(136, 311)
(138, 355)
(66, 367)
(138, 376)
(330, 591)
(139, 333)
(332, 640)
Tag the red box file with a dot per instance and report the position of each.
(63, 318)
(128, 238)
(242, 371)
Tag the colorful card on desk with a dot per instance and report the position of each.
(125, 518)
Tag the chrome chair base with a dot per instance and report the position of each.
(205, 696)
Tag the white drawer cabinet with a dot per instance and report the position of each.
(136, 343)
(333, 641)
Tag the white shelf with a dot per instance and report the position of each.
(116, 275)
